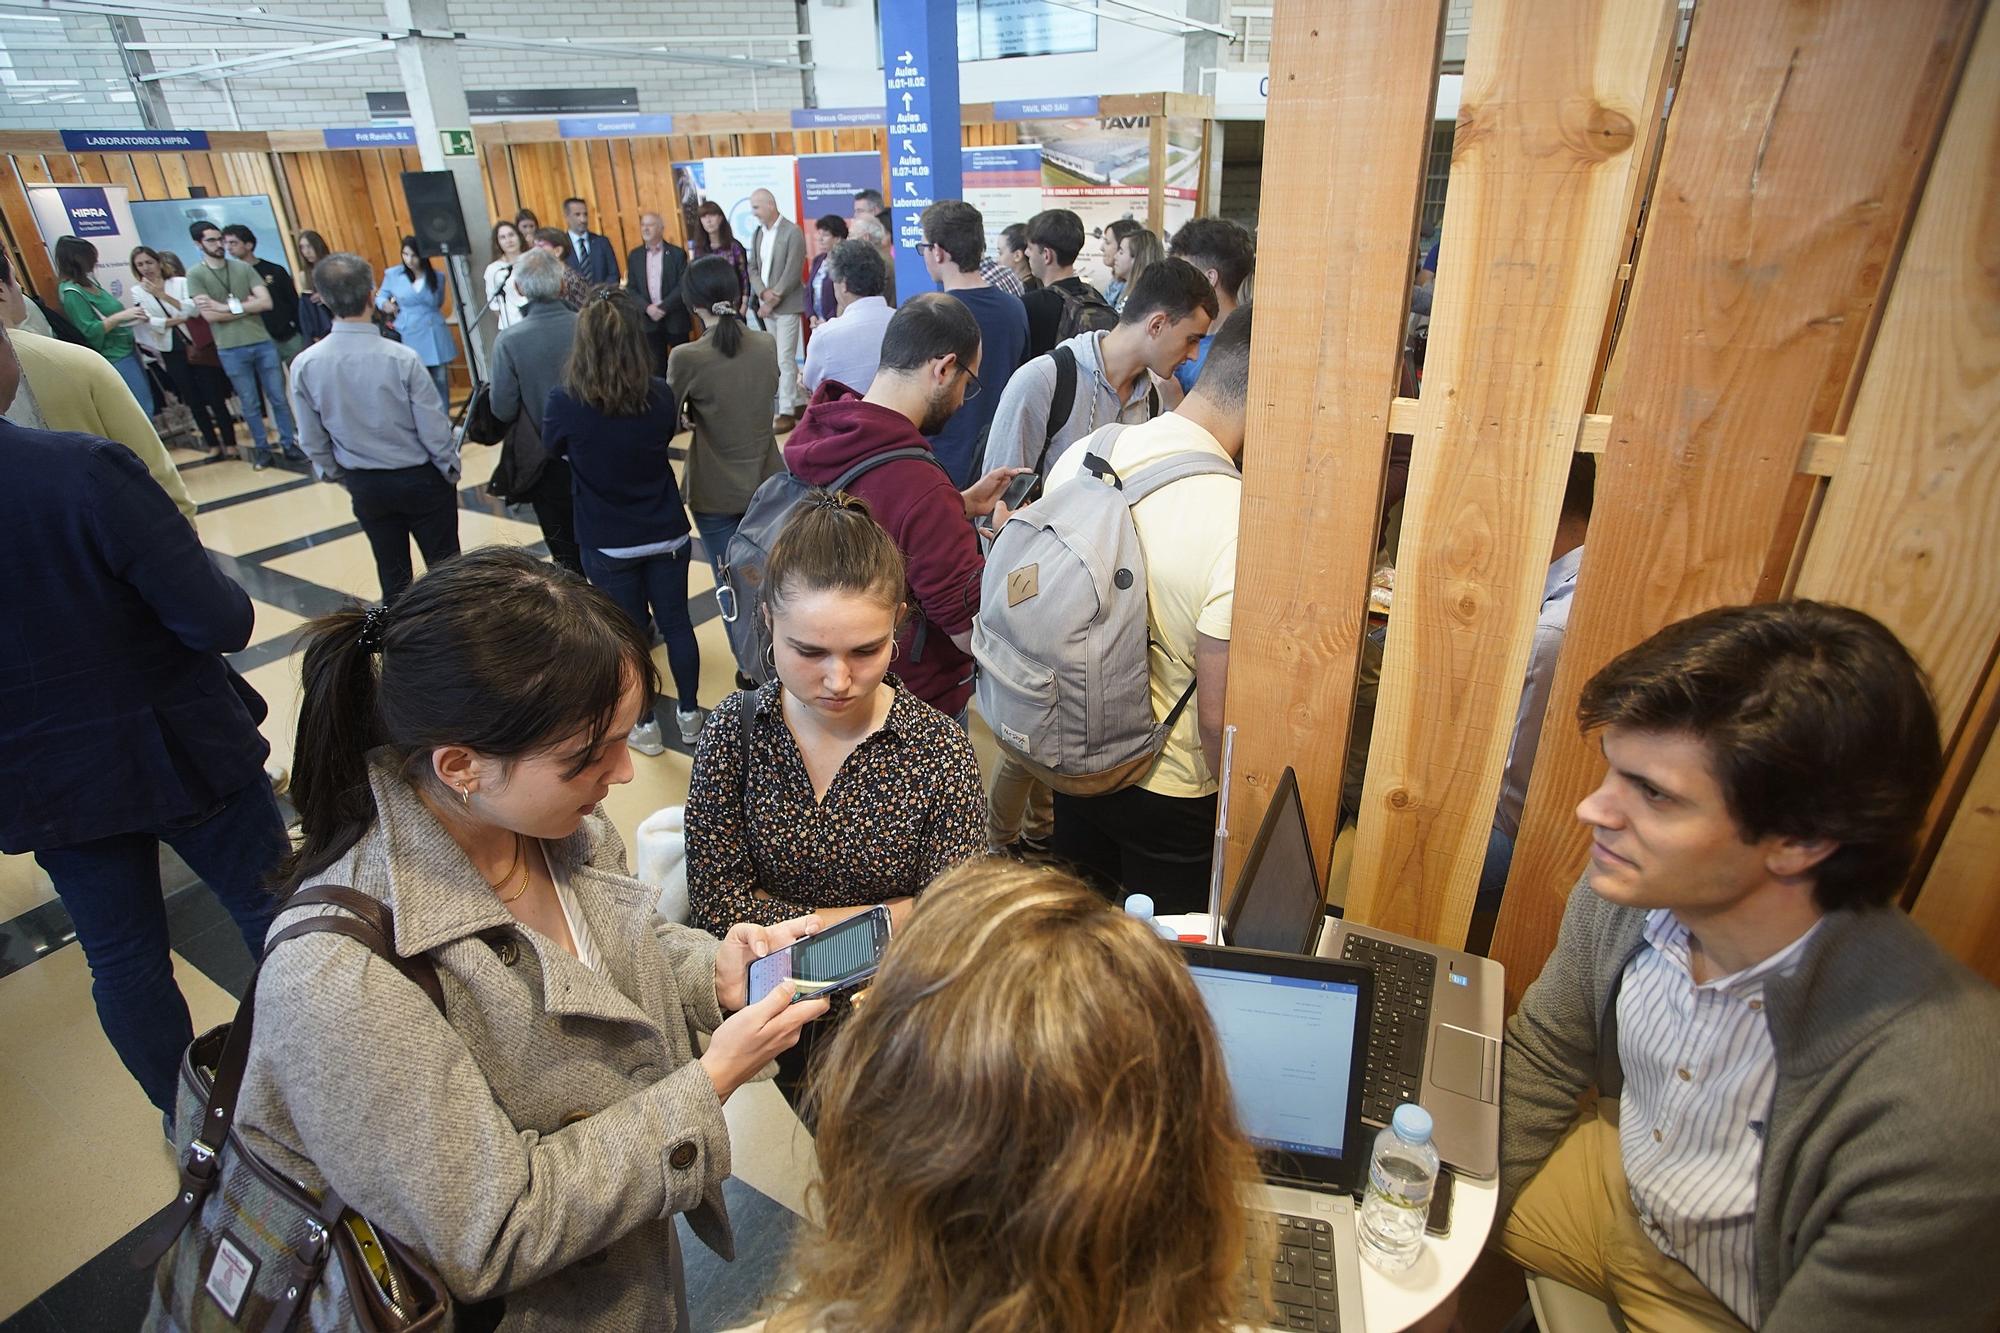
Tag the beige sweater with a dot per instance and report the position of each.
(77, 390)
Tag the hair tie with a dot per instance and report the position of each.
(722, 308)
(372, 626)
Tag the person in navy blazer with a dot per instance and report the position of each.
(589, 253)
(121, 726)
(670, 328)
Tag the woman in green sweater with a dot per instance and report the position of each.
(104, 320)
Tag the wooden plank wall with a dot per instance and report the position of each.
(1552, 138)
(353, 199)
(1344, 155)
(1769, 234)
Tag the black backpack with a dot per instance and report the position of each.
(1082, 312)
(1061, 402)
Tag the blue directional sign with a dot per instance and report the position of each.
(920, 83)
(372, 136)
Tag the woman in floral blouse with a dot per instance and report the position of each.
(858, 792)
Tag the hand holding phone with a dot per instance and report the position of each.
(837, 959)
(1019, 489)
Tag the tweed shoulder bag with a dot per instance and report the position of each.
(242, 1245)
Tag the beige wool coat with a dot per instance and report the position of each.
(536, 1140)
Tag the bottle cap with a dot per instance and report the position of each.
(1139, 904)
(1412, 1123)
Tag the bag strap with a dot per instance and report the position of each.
(1061, 403)
(1158, 476)
(373, 925)
(867, 465)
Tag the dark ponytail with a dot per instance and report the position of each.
(493, 650)
(709, 285)
(832, 543)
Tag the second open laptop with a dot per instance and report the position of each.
(1293, 1030)
(1439, 1013)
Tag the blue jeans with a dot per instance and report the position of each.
(717, 530)
(111, 889)
(662, 582)
(259, 382)
(134, 375)
(441, 376)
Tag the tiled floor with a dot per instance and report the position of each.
(82, 1163)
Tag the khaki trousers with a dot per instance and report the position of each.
(1574, 1222)
(1018, 802)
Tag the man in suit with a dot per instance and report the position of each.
(778, 285)
(121, 726)
(653, 275)
(589, 253)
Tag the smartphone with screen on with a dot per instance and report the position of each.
(837, 959)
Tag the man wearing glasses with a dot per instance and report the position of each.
(928, 368)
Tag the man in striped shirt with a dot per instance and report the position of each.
(1797, 1090)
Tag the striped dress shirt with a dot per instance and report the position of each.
(1699, 1074)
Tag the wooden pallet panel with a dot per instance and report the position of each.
(1552, 137)
(1344, 159)
(1959, 903)
(40, 273)
(1910, 531)
(1799, 132)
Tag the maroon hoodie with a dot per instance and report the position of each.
(915, 500)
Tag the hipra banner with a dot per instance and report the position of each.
(1004, 184)
(729, 181)
(100, 214)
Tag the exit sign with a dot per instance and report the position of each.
(457, 143)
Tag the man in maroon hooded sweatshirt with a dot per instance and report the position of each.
(930, 364)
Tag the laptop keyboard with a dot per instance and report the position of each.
(1394, 1072)
(1302, 1282)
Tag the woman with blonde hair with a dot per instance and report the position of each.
(1138, 250)
(1028, 1125)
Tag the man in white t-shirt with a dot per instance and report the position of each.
(1157, 835)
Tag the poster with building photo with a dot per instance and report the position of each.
(1101, 169)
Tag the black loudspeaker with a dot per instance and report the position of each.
(435, 217)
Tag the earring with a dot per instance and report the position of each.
(895, 649)
(465, 795)
(771, 658)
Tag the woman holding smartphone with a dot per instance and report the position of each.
(857, 793)
(535, 1140)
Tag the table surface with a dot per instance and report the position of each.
(1392, 1303)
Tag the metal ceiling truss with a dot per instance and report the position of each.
(343, 39)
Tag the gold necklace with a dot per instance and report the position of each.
(521, 864)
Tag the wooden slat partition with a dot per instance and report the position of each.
(1552, 136)
(1344, 156)
(1765, 237)
(1904, 534)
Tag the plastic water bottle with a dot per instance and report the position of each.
(1401, 1175)
(1141, 906)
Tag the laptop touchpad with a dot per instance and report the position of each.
(1465, 1063)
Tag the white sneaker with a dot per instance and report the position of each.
(690, 720)
(645, 738)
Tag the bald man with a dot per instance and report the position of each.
(778, 289)
(653, 275)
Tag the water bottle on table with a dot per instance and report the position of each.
(1141, 906)
(1401, 1175)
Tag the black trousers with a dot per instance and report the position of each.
(395, 504)
(555, 510)
(658, 344)
(207, 399)
(1136, 841)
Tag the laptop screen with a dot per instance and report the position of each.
(1289, 1044)
(1278, 899)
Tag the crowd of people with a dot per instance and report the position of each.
(992, 1125)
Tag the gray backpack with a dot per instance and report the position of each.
(1061, 638)
(739, 593)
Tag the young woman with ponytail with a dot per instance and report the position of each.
(857, 793)
(534, 1141)
(726, 381)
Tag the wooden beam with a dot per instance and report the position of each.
(1794, 150)
(1156, 174)
(1820, 456)
(1911, 533)
(1344, 166)
(1553, 135)
(1960, 901)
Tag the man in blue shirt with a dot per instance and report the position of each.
(1225, 252)
(369, 418)
(954, 241)
(847, 348)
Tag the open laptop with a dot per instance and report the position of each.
(1293, 1031)
(1439, 1013)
